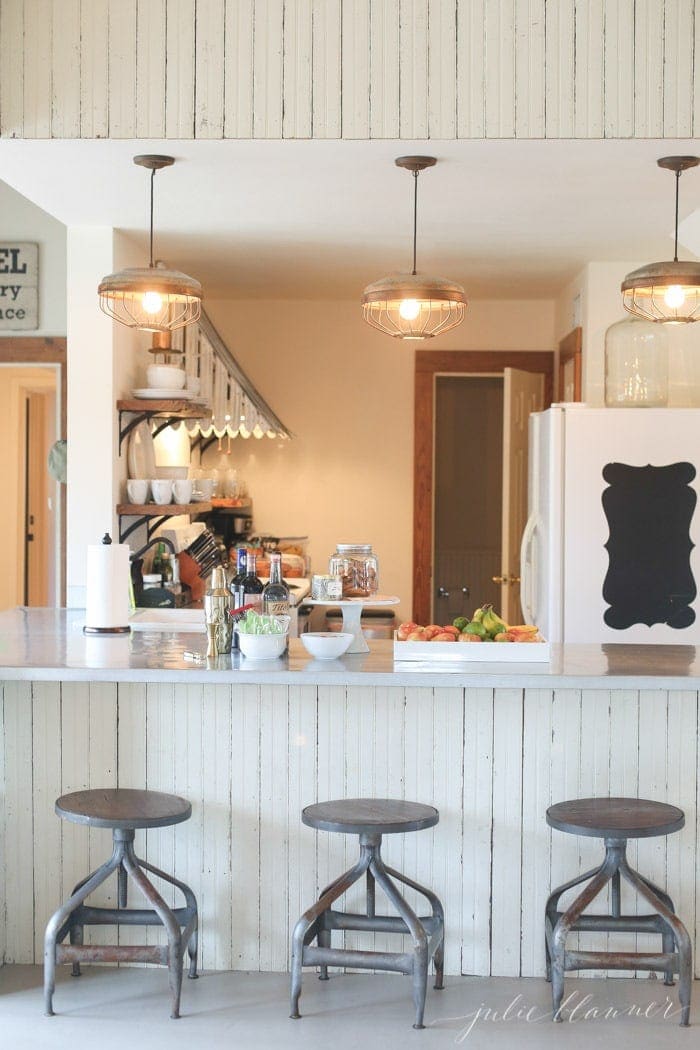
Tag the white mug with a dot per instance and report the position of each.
(182, 490)
(204, 488)
(137, 490)
(162, 490)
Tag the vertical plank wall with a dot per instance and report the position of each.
(250, 757)
(354, 69)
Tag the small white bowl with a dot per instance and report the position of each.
(166, 377)
(326, 645)
(262, 646)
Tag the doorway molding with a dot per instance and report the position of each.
(48, 350)
(428, 365)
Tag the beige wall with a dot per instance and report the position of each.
(15, 384)
(24, 221)
(346, 392)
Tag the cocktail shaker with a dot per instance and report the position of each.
(217, 603)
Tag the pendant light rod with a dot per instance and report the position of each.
(416, 165)
(677, 165)
(154, 162)
(415, 219)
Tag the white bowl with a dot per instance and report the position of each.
(262, 646)
(168, 377)
(326, 645)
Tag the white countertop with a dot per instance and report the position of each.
(49, 644)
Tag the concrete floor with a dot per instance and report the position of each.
(106, 1009)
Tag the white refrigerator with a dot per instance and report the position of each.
(611, 549)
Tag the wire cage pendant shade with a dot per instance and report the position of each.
(152, 298)
(666, 292)
(412, 305)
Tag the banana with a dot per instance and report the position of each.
(478, 615)
(493, 622)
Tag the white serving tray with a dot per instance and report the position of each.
(473, 652)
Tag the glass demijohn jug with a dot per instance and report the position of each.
(636, 364)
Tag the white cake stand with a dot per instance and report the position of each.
(352, 611)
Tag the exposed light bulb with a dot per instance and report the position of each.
(674, 296)
(409, 309)
(152, 302)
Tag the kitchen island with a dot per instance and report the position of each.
(250, 744)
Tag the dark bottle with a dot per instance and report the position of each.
(237, 580)
(275, 594)
(236, 589)
(252, 586)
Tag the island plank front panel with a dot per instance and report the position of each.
(351, 69)
(251, 757)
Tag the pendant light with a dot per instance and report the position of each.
(152, 299)
(412, 305)
(666, 292)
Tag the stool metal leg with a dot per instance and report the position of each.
(172, 926)
(122, 887)
(677, 932)
(306, 926)
(551, 909)
(191, 903)
(59, 919)
(438, 914)
(418, 934)
(568, 920)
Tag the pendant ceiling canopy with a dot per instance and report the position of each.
(151, 298)
(666, 292)
(413, 305)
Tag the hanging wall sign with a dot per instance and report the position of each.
(19, 286)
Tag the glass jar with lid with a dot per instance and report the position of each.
(358, 568)
(636, 364)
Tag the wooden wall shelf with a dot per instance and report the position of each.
(162, 510)
(170, 410)
(154, 514)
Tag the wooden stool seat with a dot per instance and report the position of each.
(123, 808)
(370, 816)
(615, 818)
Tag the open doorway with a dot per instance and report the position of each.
(32, 418)
(527, 386)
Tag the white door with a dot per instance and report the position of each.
(523, 393)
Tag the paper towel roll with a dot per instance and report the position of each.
(107, 602)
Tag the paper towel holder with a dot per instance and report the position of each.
(106, 540)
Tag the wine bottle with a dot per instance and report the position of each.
(252, 586)
(238, 578)
(275, 595)
(236, 589)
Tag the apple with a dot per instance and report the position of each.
(431, 630)
(469, 638)
(444, 636)
(449, 629)
(404, 629)
(417, 636)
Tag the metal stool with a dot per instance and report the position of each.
(615, 820)
(370, 818)
(123, 810)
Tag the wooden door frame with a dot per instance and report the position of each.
(32, 350)
(428, 365)
(571, 349)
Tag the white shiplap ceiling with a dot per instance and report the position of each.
(281, 219)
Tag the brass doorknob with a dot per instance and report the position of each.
(506, 579)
